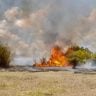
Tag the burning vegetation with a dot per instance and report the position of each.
(57, 59)
(73, 56)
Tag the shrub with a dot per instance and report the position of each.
(5, 56)
(78, 54)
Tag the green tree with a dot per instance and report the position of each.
(94, 56)
(78, 55)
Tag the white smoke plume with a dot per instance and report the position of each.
(86, 31)
(37, 25)
(13, 13)
(24, 23)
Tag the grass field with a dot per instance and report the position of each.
(47, 84)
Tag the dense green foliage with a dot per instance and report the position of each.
(5, 56)
(94, 56)
(78, 55)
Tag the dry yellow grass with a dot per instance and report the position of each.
(47, 84)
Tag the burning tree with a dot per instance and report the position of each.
(73, 56)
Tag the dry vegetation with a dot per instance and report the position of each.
(47, 84)
(5, 56)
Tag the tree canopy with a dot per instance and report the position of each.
(78, 54)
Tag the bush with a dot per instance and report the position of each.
(78, 55)
(5, 56)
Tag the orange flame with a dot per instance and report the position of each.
(57, 59)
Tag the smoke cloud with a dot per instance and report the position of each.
(37, 25)
(13, 13)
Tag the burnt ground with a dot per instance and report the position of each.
(19, 68)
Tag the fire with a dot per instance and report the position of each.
(57, 59)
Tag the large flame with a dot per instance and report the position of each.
(57, 59)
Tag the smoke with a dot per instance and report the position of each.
(24, 23)
(90, 64)
(37, 25)
(13, 13)
(23, 61)
(33, 19)
(86, 31)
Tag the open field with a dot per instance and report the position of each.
(47, 84)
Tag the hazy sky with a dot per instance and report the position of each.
(32, 27)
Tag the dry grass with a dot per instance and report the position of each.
(47, 84)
